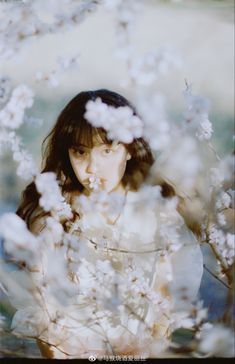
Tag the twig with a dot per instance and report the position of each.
(216, 277)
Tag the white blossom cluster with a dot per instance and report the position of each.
(26, 167)
(217, 340)
(217, 178)
(171, 222)
(12, 115)
(126, 13)
(139, 288)
(223, 202)
(191, 318)
(120, 123)
(63, 64)
(180, 163)
(109, 203)
(51, 78)
(196, 115)
(51, 198)
(19, 242)
(223, 242)
(153, 111)
(24, 22)
(145, 70)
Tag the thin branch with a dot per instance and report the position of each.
(214, 151)
(216, 277)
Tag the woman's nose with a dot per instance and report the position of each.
(92, 165)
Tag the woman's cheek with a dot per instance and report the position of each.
(79, 169)
(116, 168)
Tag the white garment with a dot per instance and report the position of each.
(133, 246)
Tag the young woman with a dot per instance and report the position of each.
(122, 223)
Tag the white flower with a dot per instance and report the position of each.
(223, 200)
(224, 243)
(156, 126)
(196, 115)
(170, 223)
(105, 267)
(11, 117)
(67, 62)
(120, 123)
(97, 113)
(146, 69)
(55, 228)
(205, 128)
(180, 163)
(194, 315)
(226, 168)
(230, 240)
(216, 177)
(94, 182)
(51, 198)
(221, 219)
(12, 227)
(26, 167)
(217, 340)
(51, 78)
(216, 236)
(124, 125)
(149, 196)
(19, 242)
(22, 97)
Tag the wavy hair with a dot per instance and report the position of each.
(72, 129)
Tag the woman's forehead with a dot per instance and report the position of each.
(88, 136)
(97, 140)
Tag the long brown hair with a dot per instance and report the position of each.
(71, 129)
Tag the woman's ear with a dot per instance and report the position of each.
(128, 156)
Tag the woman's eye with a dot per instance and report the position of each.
(107, 150)
(79, 152)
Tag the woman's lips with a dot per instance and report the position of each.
(94, 182)
(87, 181)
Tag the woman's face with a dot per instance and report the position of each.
(100, 167)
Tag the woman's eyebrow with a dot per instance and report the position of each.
(80, 146)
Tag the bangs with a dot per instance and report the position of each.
(82, 133)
